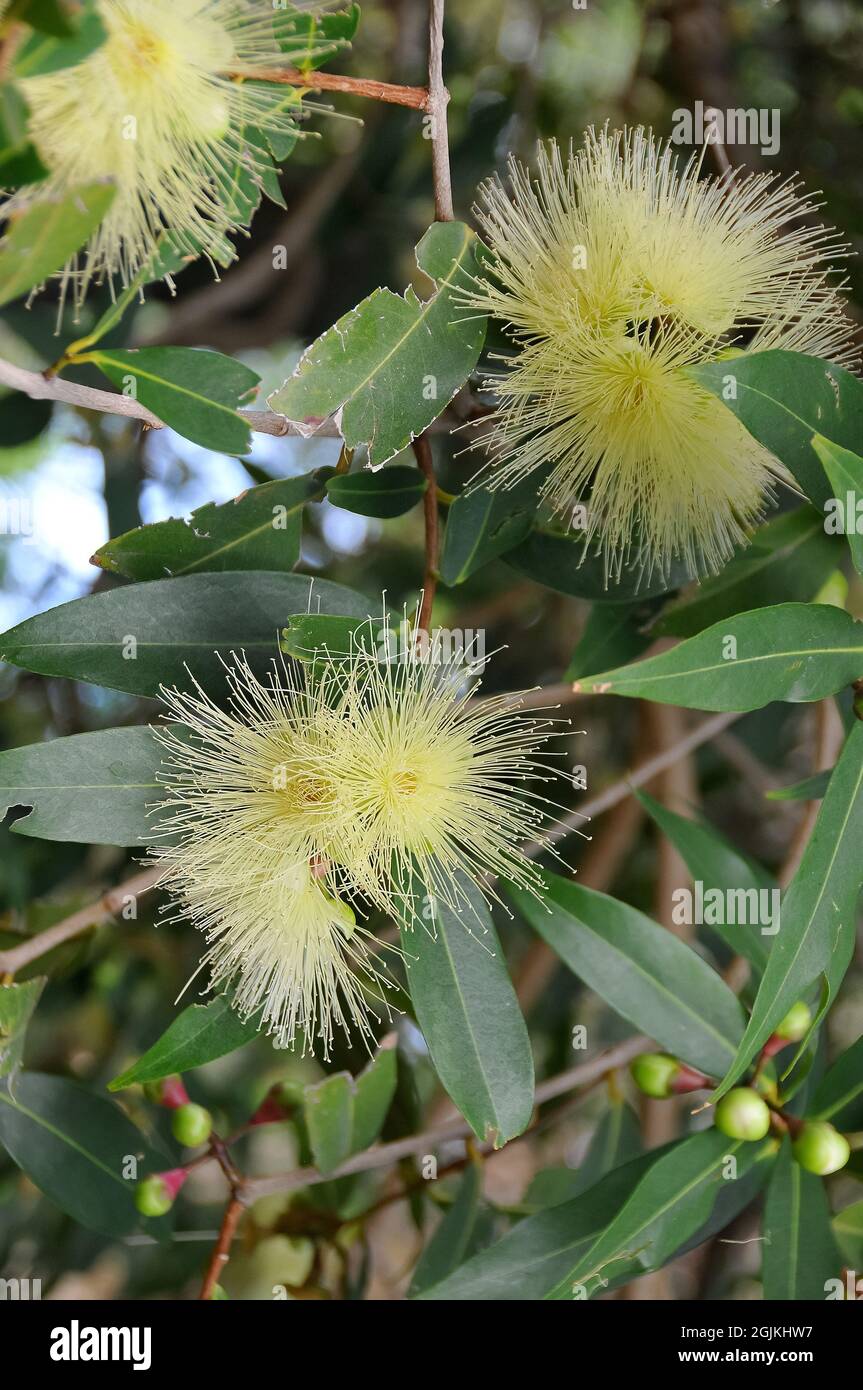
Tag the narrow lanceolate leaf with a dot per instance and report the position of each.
(735, 893)
(783, 399)
(449, 1245)
(88, 788)
(198, 1035)
(816, 937)
(800, 1252)
(641, 970)
(794, 652)
(140, 636)
(788, 561)
(259, 530)
(670, 1205)
(392, 364)
(844, 471)
(484, 523)
(43, 238)
(467, 1009)
(344, 1114)
(195, 391)
(391, 492)
(616, 1140)
(17, 1002)
(810, 789)
(559, 562)
(839, 1097)
(76, 1147)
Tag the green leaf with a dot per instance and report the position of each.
(717, 865)
(611, 634)
(198, 1035)
(314, 637)
(844, 471)
(848, 1231)
(344, 1114)
(468, 1012)
(839, 1097)
(310, 40)
(75, 1147)
(195, 391)
(41, 54)
(259, 530)
(641, 970)
(167, 260)
(450, 1242)
(560, 563)
(810, 789)
(88, 788)
(49, 16)
(671, 1204)
(484, 523)
(19, 159)
(800, 1253)
(139, 636)
(17, 1002)
(783, 399)
(391, 492)
(816, 937)
(788, 561)
(392, 364)
(616, 1140)
(43, 238)
(795, 652)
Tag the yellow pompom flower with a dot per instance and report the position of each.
(314, 795)
(614, 271)
(155, 111)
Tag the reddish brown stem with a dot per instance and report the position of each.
(422, 450)
(222, 1249)
(393, 92)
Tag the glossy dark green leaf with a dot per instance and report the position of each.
(140, 636)
(469, 1015)
(391, 365)
(816, 937)
(795, 652)
(388, 492)
(195, 391)
(559, 562)
(844, 471)
(641, 970)
(90, 788)
(717, 865)
(196, 1036)
(788, 561)
(839, 1097)
(450, 1242)
(800, 1252)
(259, 530)
(612, 636)
(17, 1002)
(43, 238)
(486, 522)
(76, 1146)
(783, 399)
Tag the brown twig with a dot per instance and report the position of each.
(393, 92)
(105, 907)
(222, 1249)
(438, 99)
(422, 450)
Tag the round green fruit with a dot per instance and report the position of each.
(742, 1114)
(821, 1149)
(796, 1023)
(153, 1196)
(654, 1073)
(191, 1125)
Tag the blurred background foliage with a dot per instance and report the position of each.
(359, 197)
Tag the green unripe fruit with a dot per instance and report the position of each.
(153, 1196)
(795, 1025)
(654, 1074)
(191, 1125)
(821, 1149)
(742, 1114)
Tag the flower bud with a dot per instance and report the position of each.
(168, 1091)
(155, 1195)
(654, 1073)
(742, 1114)
(796, 1023)
(191, 1125)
